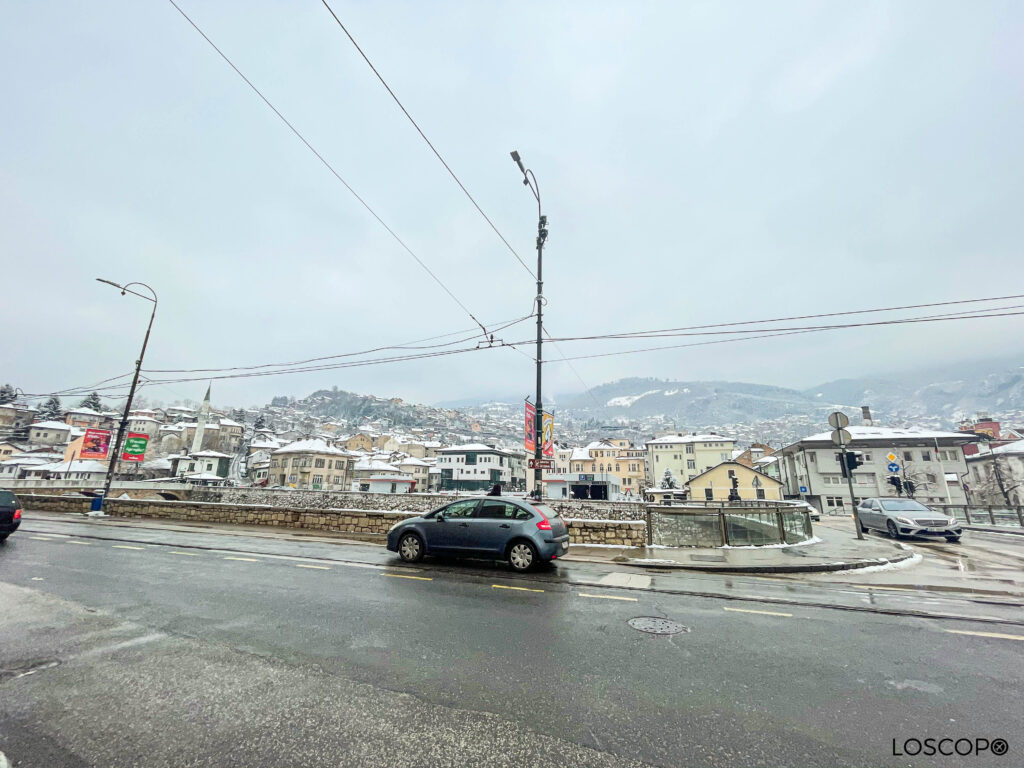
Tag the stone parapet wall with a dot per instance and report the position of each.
(362, 521)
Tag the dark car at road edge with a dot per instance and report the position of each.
(10, 514)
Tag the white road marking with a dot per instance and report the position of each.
(318, 567)
(610, 597)
(751, 610)
(634, 580)
(76, 541)
(186, 554)
(41, 538)
(125, 546)
(245, 559)
(999, 635)
(37, 578)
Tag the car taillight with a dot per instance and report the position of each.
(544, 525)
(17, 514)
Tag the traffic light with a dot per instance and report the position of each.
(909, 486)
(896, 483)
(854, 459)
(842, 465)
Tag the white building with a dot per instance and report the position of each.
(49, 433)
(86, 471)
(477, 467)
(997, 475)
(685, 455)
(933, 460)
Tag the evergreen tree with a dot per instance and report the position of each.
(238, 415)
(668, 481)
(51, 410)
(7, 394)
(93, 402)
(261, 423)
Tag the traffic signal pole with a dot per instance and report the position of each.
(849, 483)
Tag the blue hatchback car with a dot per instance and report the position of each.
(522, 531)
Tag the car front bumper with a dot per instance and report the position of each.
(931, 530)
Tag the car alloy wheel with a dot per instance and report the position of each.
(891, 527)
(410, 548)
(521, 556)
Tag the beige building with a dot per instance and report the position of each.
(614, 457)
(359, 442)
(12, 415)
(311, 465)
(418, 469)
(686, 456)
(716, 484)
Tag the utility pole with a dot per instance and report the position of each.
(116, 447)
(530, 180)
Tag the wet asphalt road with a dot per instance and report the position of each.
(138, 648)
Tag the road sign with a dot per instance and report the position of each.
(894, 467)
(803, 489)
(542, 463)
(891, 457)
(838, 420)
(840, 436)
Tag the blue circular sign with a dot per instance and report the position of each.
(894, 467)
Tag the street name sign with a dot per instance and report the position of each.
(542, 463)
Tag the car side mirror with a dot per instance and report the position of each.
(439, 517)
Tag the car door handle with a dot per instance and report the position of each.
(504, 525)
(464, 525)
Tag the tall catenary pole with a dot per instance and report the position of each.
(116, 446)
(530, 180)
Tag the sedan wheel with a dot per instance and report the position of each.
(522, 556)
(410, 548)
(893, 531)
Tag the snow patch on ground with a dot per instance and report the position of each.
(628, 400)
(812, 540)
(670, 392)
(910, 562)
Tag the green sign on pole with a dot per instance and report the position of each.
(135, 447)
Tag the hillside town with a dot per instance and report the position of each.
(287, 446)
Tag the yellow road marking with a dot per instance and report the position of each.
(41, 538)
(517, 589)
(318, 567)
(1000, 635)
(751, 610)
(75, 541)
(186, 554)
(245, 559)
(125, 546)
(610, 597)
(403, 576)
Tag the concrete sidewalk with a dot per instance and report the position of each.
(836, 551)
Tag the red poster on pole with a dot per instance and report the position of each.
(531, 427)
(95, 444)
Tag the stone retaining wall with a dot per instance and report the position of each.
(374, 522)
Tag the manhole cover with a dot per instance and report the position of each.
(654, 625)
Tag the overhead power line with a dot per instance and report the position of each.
(327, 165)
(429, 143)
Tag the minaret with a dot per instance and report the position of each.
(204, 412)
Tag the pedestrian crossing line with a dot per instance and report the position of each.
(610, 597)
(403, 576)
(751, 610)
(125, 546)
(999, 635)
(185, 554)
(517, 589)
(244, 559)
(317, 567)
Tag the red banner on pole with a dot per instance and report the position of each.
(531, 428)
(95, 444)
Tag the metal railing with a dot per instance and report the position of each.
(735, 524)
(1004, 515)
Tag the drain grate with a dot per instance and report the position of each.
(654, 625)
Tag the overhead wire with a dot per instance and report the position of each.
(327, 165)
(430, 144)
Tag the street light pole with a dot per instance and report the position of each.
(116, 447)
(530, 180)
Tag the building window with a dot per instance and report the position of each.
(689, 448)
(926, 455)
(709, 494)
(866, 457)
(810, 457)
(835, 502)
(908, 456)
(759, 492)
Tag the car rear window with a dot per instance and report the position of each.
(545, 510)
(8, 499)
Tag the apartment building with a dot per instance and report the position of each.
(477, 467)
(933, 460)
(614, 457)
(685, 455)
(312, 465)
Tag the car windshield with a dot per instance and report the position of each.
(903, 505)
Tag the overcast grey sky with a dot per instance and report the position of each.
(700, 162)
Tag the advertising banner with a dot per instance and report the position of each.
(549, 434)
(95, 444)
(531, 428)
(135, 446)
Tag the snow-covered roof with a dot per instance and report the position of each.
(142, 418)
(1015, 447)
(392, 478)
(84, 412)
(579, 454)
(202, 476)
(377, 466)
(172, 428)
(24, 460)
(413, 461)
(210, 455)
(472, 448)
(49, 425)
(157, 464)
(680, 439)
(79, 465)
(314, 445)
(226, 422)
(892, 433)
